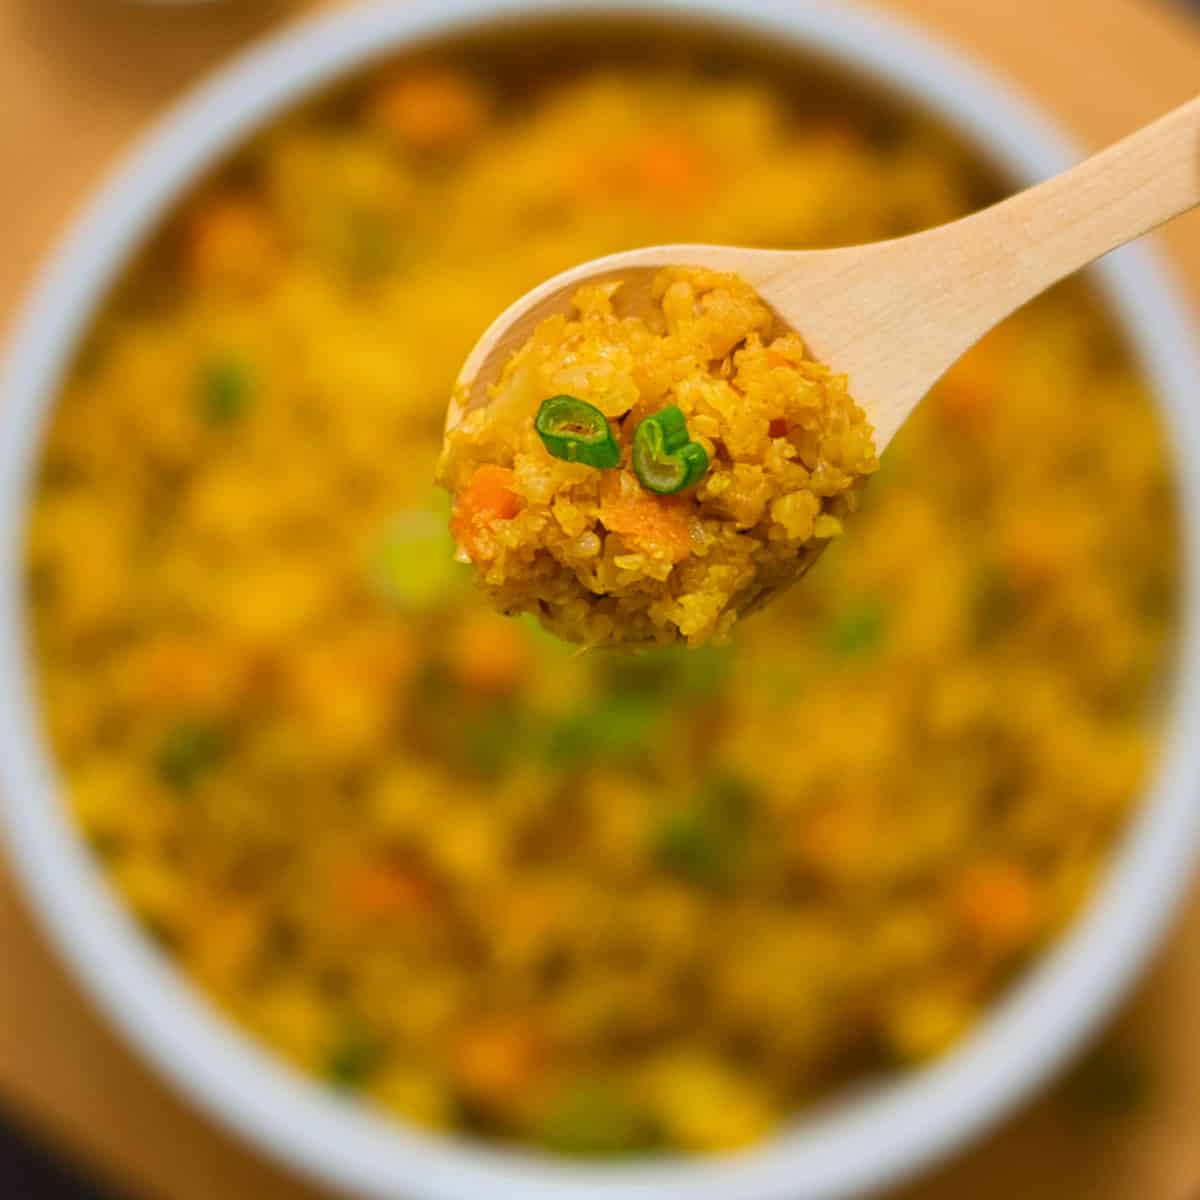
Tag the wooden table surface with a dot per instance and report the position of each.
(80, 77)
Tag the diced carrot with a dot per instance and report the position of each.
(431, 109)
(385, 890)
(387, 655)
(488, 498)
(670, 166)
(778, 427)
(665, 168)
(971, 389)
(840, 841)
(495, 1062)
(654, 525)
(997, 903)
(966, 407)
(230, 242)
(488, 655)
(181, 672)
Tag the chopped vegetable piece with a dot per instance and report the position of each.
(659, 528)
(496, 741)
(577, 431)
(226, 390)
(495, 1061)
(859, 629)
(190, 750)
(670, 168)
(598, 1119)
(705, 841)
(489, 655)
(366, 242)
(413, 563)
(354, 1058)
(618, 726)
(671, 673)
(432, 109)
(383, 891)
(998, 905)
(686, 846)
(665, 460)
(230, 243)
(489, 498)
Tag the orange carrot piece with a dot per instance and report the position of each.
(488, 498)
(495, 1061)
(997, 903)
(382, 890)
(654, 525)
(971, 389)
(229, 242)
(431, 109)
(488, 655)
(670, 166)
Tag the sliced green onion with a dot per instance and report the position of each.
(664, 458)
(577, 431)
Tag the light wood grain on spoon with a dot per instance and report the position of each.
(894, 315)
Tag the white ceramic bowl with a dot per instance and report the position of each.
(852, 1145)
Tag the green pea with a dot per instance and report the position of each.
(367, 244)
(597, 1119)
(670, 673)
(858, 630)
(226, 389)
(618, 726)
(353, 1059)
(496, 742)
(705, 840)
(190, 750)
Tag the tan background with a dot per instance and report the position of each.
(78, 79)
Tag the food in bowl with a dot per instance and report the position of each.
(644, 478)
(602, 904)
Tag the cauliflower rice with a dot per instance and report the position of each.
(599, 558)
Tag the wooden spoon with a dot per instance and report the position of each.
(894, 315)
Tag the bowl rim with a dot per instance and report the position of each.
(848, 1147)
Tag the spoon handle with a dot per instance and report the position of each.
(1018, 248)
(962, 279)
